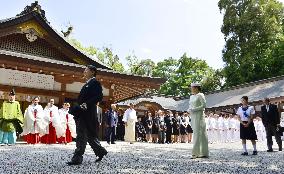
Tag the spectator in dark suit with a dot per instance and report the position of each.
(86, 117)
(271, 120)
(111, 121)
(120, 129)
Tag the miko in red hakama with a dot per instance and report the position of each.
(68, 137)
(49, 138)
(33, 138)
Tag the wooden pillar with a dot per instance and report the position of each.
(62, 96)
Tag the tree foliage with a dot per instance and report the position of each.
(180, 73)
(104, 56)
(253, 30)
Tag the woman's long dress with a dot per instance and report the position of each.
(200, 140)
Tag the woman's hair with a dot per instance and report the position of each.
(35, 98)
(198, 88)
(245, 98)
(66, 104)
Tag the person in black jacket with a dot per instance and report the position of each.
(111, 121)
(271, 120)
(155, 128)
(120, 129)
(169, 125)
(85, 115)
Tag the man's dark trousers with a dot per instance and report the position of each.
(110, 134)
(84, 135)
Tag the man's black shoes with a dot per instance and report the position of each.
(101, 157)
(270, 150)
(244, 154)
(71, 163)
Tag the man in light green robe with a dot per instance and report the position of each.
(11, 120)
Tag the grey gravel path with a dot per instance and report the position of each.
(140, 158)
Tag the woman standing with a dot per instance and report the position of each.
(183, 126)
(189, 128)
(176, 125)
(34, 124)
(197, 104)
(148, 126)
(247, 130)
(67, 125)
(155, 128)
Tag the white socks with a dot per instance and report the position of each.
(254, 147)
(245, 147)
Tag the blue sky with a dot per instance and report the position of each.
(155, 29)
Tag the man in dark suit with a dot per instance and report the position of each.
(111, 121)
(85, 114)
(271, 120)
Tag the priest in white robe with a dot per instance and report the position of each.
(130, 118)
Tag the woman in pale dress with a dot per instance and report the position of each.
(130, 119)
(197, 104)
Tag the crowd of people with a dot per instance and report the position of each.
(52, 125)
(169, 127)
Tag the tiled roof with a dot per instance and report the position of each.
(256, 91)
(165, 102)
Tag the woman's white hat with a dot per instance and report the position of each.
(195, 85)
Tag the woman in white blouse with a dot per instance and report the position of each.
(247, 129)
(197, 104)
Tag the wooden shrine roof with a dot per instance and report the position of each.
(37, 21)
(124, 85)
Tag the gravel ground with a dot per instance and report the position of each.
(140, 158)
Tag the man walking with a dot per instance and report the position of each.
(86, 117)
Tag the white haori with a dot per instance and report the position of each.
(61, 130)
(130, 118)
(54, 119)
(34, 125)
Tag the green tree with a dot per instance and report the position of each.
(166, 68)
(252, 30)
(105, 56)
(181, 73)
(277, 64)
(142, 67)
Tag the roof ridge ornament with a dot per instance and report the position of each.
(34, 7)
